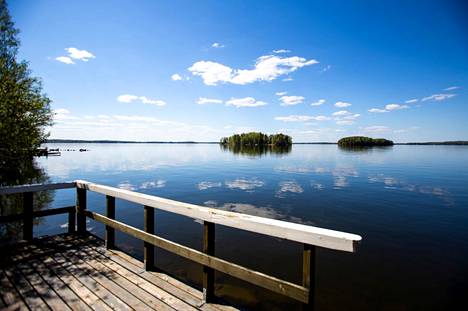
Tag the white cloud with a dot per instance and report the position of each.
(352, 116)
(345, 122)
(156, 102)
(301, 118)
(245, 102)
(267, 68)
(391, 107)
(65, 60)
(61, 111)
(79, 54)
(217, 45)
(289, 186)
(341, 113)
(281, 51)
(377, 110)
(281, 93)
(204, 101)
(153, 184)
(388, 108)
(451, 88)
(342, 104)
(438, 97)
(208, 184)
(176, 77)
(291, 100)
(287, 79)
(63, 114)
(244, 184)
(318, 103)
(411, 101)
(126, 98)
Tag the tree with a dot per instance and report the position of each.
(24, 109)
(362, 141)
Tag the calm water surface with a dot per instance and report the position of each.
(409, 203)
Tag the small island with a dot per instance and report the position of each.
(362, 141)
(257, 139)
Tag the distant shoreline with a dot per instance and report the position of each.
(74, 141)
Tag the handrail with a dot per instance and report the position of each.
(308, 235)
(276, 228)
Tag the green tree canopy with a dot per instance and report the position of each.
(24, 109)
(253, 139)
(362, 141)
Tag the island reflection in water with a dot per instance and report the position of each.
(407, 202)
(256, 150)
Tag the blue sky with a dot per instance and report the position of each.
(200, 70)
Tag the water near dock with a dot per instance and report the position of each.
(410, 204)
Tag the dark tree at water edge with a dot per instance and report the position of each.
(24, 116)
(362, 141)
(24, 109)
(253, 139)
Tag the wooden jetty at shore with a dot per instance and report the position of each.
(79, 271)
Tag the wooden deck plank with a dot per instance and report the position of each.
(27, 292)
(148, 299)
(174, 286)
(10, 295)
(89, 282)
(75, 285)
(51, 298)
(110, 282)
(149, 287)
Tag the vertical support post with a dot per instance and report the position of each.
(110, 212)
(28, 216)
(149, 228)
(72, 221)
(308, 275)
(209, 249)
(80, 208)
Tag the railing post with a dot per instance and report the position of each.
(80, 208)
(208, 273)
(28, 202)
(110, 212)
(71, 221)
(308, 275)
(149, 228)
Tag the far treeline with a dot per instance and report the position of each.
(257, 139)
(362, 141)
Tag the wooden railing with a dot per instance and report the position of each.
(309, 236)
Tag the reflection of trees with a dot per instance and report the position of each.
(256, 150)
(18, 172)
(364, 149)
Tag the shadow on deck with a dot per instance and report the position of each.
(77, 272)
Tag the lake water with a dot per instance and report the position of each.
(409, 203)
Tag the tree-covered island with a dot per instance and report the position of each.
(256, 139)
(362, 141)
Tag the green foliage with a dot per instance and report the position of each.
(253, 139)
(24, 109)
(362, 141)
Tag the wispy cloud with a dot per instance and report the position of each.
(208, 184)
(128, 98)
(176, 77)
(267, 68)
(388, 108)
(301, 118)
(217, 45)
(74, 53)
(376, 129)
(245, 102)
(281, 93)
(411, 101)
(325, 69)
(204, 101)
(451, 88)
(281, 51)
(341, 113)
(318, 102)
(291, 100)
(288, 186)
(438, 97)
(340, 104)
(244, 184)
(65, 59)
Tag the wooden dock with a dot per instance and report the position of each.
(81, 272)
